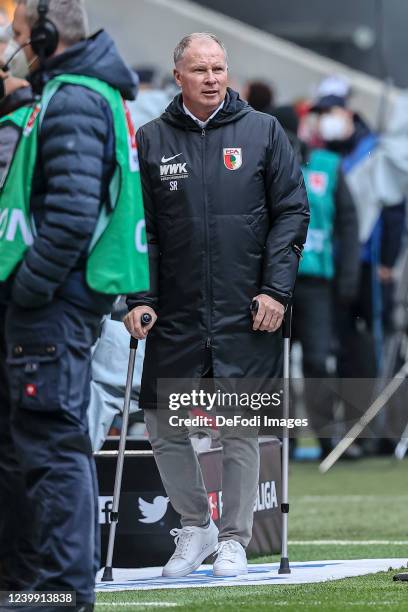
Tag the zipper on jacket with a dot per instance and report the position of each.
(207, 247)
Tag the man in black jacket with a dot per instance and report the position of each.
(53, 317)
(226, 217)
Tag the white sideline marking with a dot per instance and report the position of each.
(347, 498)
(349, 603)
(277, 603)
(259, 574)
(348, 542)
(156, 604)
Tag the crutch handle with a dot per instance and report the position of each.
(145, 320)
(287, 319)
(254, 306)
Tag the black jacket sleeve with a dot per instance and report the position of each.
(346, 241)
(148, 298)
(71, 150)
(289, 217)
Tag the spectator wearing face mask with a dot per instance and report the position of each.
(329, 265)
(360, 329)
(4, 31)
(15, 69)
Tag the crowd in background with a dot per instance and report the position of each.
(344, 298)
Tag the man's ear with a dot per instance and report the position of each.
(177, 78)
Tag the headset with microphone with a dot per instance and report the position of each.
(44, 34)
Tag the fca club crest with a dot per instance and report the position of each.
(233, 158)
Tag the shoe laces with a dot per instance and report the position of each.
(182, 539)
(227, 550)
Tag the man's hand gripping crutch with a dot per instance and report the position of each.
(138, 323)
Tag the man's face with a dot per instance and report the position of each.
(22, 31)
(202, 75)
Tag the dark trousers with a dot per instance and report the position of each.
(48, 368)
(356, 347)
(356, 352)
(312, 327)
(18, 558)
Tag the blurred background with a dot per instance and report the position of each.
(334, 76)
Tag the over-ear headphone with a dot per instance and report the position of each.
(44, 34)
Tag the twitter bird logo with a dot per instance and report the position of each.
(153, 512)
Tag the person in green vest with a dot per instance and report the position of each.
(16, 570)
(71, 239)
(330, 265)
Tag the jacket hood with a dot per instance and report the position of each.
(234, 108)
(96, 57)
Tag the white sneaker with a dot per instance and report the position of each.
(193, 545)
(231, 559)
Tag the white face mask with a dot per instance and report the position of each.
(19, 66)
(333, 127)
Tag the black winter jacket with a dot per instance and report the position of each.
(75, 165)
(217, 238)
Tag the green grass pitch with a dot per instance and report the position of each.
(358, 510)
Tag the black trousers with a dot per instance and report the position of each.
(18, 557)
(312, 327)
(47, 453)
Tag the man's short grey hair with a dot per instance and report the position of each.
(187, 40)
(69, 16)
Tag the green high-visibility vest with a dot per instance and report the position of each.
(320, 174)
(117, 257)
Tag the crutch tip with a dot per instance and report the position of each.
(107, 575)
(323, 467)
(284, 566)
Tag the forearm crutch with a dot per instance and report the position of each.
(114, 514)
(286, 333)
(284, 567)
